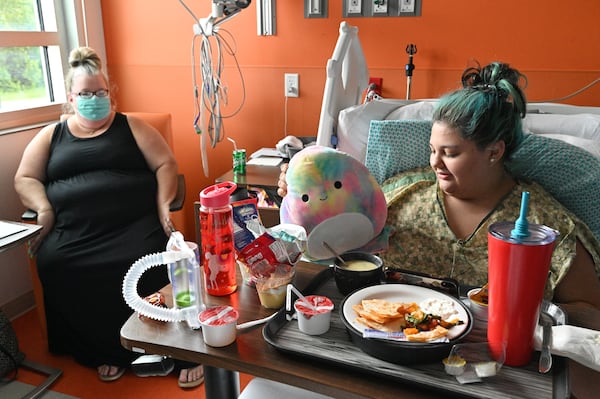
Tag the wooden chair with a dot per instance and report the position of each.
(160, 121)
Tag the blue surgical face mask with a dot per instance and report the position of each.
(94, 108)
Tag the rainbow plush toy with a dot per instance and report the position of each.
(335, 198)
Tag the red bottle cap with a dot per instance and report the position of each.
(217, 195)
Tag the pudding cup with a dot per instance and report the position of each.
(314, 320)
(219, 325)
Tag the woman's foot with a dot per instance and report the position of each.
(192, 377)
(109, 373)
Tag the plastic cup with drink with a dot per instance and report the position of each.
(519, 256)
(271, 289)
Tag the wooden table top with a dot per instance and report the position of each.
(251, 354)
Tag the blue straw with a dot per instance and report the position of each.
(521, 229)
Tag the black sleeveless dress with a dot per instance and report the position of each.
(104, 198)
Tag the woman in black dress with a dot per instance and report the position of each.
(101, 184)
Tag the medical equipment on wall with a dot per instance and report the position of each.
(210, 91)
(411, 50)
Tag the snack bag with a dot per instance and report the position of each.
(244, 211)
(282, 244)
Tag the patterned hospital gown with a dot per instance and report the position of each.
(423, 242)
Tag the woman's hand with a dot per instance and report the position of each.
(165, 220)
(282, 183)
(45, 218)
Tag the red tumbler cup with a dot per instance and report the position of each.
(517, 273)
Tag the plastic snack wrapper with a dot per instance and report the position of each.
(245, 214)
(156, 299)
(283, 244)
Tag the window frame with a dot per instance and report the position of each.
(79, 23)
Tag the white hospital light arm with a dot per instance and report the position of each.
(222, 10)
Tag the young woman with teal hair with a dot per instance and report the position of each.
(441, 225)
(441, 214)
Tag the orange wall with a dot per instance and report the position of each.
(148, 45)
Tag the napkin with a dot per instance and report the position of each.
(576, 343)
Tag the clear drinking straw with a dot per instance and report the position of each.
(233, 141)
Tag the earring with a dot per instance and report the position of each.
(492, 160)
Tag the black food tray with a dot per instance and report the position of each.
(336, 347)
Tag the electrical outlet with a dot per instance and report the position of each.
(354, 6)
(292, 88)
(380, 6)
(407, 6)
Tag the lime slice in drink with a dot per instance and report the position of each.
(184, 299)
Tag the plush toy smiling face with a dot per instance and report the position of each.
(335, 198)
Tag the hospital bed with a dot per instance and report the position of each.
(562, 154)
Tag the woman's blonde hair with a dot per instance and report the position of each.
(86, 60)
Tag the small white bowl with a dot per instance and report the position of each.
(479, 309)
(314, 321)
(219, 325)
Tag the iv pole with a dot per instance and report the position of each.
(411, 50)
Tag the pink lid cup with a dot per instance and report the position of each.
(314, 317)
(219, 325)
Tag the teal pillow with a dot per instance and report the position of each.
(394, 146)
(569, 173)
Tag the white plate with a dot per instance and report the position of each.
(403, 293)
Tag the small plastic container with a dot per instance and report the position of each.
(219, 325)
(478, 308)
(317, 319)
(272, 290)
(454, 365)
(474, 357)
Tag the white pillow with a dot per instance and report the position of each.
(581, 130)
(353, 126)
(423, 110)
(585, 126)
(354, 122)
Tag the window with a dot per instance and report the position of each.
(35, 39)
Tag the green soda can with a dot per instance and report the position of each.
(239, 162)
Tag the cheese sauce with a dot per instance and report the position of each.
(359, 265)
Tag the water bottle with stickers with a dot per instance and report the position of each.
(216, 235)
